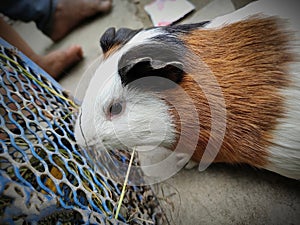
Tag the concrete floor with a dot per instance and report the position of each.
(220, 195)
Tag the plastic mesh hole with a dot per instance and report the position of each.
(7, 83)
(56, 173)
(73, 167)
(16, 155)
(2, 89)
(28, 175)
(111, 192)
(19, 192)
(13, 79)
(51, 136)
(97, 201)
(12, 87)
(27, 87)
(78, 158)
(60, 163)
(49, 145)
(3, 134)
(40, 152)
(87, 173)
(108, 222)
(28, 114)
(67, 118)
(44, 99)
(33, 126)
(13, 128)
(58, 130)
(97, 220)
(26, 96)
(81, 197)
(66, 143)
(64, 153)
(109, 205)
(18, 118)
(35, 86)
(39, 103)
(86, 184)
(21, 143)
(37, 164)
(67, 193)
(44, 80)
(5, 164)
(48, 182)
(17, 98)
(114, 187)
(12, 106)
(23, 79)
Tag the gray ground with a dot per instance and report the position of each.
(220, 195)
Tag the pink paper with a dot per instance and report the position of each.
(165, 12)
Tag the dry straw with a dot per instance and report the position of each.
(125, 184)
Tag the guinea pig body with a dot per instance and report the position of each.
(252, 55)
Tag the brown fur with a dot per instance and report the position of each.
(249, 60)
(112, 50)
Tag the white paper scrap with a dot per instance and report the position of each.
(165, 12)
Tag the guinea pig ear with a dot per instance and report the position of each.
(106, 40)
(112, 38)
(160, 75)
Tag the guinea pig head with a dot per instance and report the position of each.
(126, 103)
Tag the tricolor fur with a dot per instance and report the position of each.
(254, 58)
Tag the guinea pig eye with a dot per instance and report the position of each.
(115, 109)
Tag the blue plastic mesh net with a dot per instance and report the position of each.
(45, 178)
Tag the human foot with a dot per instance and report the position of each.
(69, 13)
(58, 61)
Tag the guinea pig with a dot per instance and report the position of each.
(226, 90)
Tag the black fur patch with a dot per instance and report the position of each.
(161, 78)
(152, 60)
(174, 30)
(111, 38)
(183, 28)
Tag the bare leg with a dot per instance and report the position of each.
(69, 13)
(54, 63)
